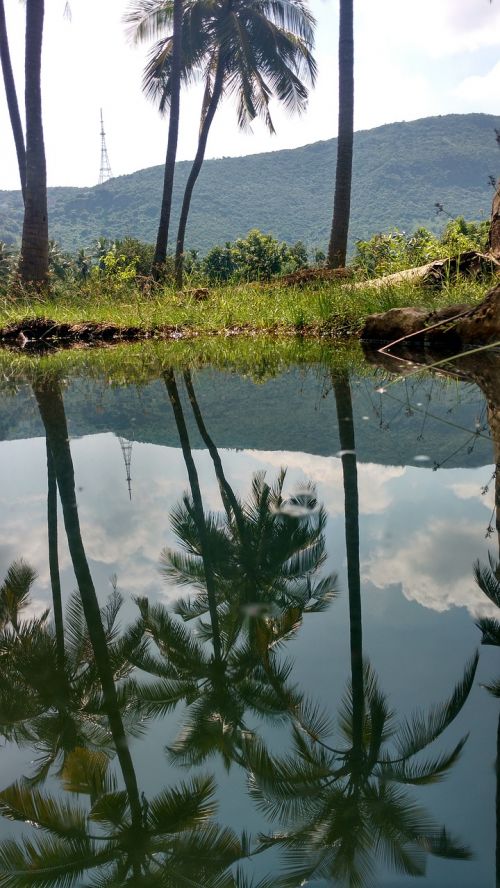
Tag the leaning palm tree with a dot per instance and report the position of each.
(11, 96)
(337, 247)
(253, 51)
(146, 26)
(253, 571)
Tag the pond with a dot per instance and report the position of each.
(241, 618)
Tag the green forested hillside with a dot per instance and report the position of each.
(400, 171)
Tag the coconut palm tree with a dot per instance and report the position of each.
(166, 841)
(145, 27)
(11, 96)
(337, 247)
(251, 51)
(34, 263)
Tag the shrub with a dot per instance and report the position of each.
(258, 256)
(218, 264)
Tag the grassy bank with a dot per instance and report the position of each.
(323, 306)
(258, 358)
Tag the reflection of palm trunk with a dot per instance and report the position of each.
(51, 406)
(351, 505)
(498, 808)
(199, 514)
(55, 580)
(227, 494)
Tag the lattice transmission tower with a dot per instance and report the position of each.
(105, 168)
(126, 447)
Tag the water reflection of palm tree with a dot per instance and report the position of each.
(253, 570)
(175, 843)
(52, 704)
(220, 689)
(488, 580)
(165, 841)
(346, 807)
(268, 550)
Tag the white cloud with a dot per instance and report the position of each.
(480, 91)
(434, 566)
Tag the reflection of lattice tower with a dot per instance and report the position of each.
(126, 447)
(105, 169)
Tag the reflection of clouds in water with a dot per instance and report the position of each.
(326, 472)
(469, 490)
(434, 566)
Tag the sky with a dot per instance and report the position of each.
(412, 60)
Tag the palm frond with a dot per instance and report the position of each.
(183, 807)
(423, 728)
(29, 805)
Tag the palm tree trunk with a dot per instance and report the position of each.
(11, 95)
(55, 579)
(34, 264)
(337, 247)
(195, 169)
(194, 483)
(160, 255)
(345, 419)
(51, 406)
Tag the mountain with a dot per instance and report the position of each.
(293, 411)
(400, 171)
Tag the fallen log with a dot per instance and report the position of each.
(434, 274)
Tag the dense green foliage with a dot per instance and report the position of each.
(395, 250)
(257, 257)
(401, 171)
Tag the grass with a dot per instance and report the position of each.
(259, 358)
(333, 307)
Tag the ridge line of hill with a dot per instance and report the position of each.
(401, 170)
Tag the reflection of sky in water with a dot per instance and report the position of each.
(421, 532)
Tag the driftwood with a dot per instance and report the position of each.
(434, 274)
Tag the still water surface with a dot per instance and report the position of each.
(294, 658)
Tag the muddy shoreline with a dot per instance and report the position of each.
(35, 334)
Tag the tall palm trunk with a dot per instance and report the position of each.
(55, 579)
(194, 483)
(337, 247)
(34, 264)
(345, 419)
(11, 95)
(51, 406)
(196, 167)
(160, 255)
